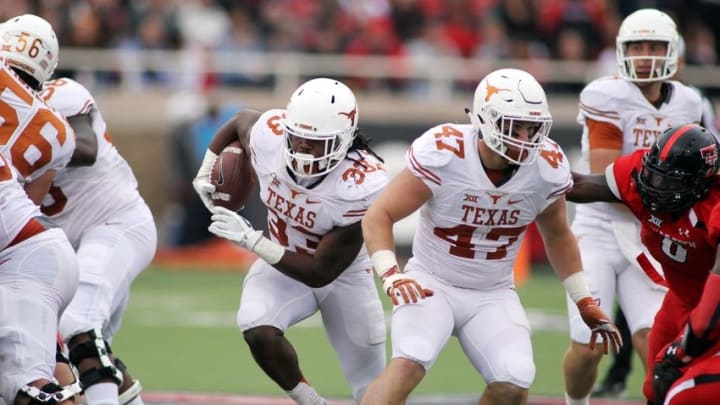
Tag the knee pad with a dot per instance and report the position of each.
(95, 348)
(133, 391)
(51, 393)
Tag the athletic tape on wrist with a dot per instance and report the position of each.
(383, 260)
(577, 287)
(268, 250)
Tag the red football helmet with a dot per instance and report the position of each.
(679, 169)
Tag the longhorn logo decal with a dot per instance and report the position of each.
(350, 115)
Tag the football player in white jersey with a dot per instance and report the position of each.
(620, 114)
(42, 141)
(38, 277)
(96, 203)
(36, 140)
(317, 176)
(478, 186)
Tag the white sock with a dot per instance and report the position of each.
(305, 394)
(102, 394)
(573, 401)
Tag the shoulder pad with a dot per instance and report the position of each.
(362, 181)
(688, 94)
(425, 152)
(267, 132)
(68, 97)
(553, 165)
(601, 100)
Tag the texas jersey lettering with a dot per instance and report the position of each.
(620, 103)
(294, 217)
(492, 219)
(33, 137)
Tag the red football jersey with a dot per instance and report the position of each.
(684, 246)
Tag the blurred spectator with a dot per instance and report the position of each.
(153, 34)
(244, 39)
(607, 64)
(408, 17)
(524, 30)
(495, 41)
(570, 46)
(203, 23)
(584, 17)
(376, 37)
(425, 53)
(460, 27)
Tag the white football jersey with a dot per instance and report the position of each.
(298, 217)
(620, 102)
(33, 137)
(87, 195)
(16, 208)
(469, 231)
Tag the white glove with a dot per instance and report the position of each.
(201, 183)
(403, 289)
(235, 228)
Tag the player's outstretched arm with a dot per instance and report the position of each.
(335, 252)
(590, 188)
(403, 196)
(564, 256)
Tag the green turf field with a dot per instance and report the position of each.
(179, 334)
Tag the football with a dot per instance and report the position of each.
(233, 177)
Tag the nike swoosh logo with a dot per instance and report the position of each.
(309, 201)
(220, 178)
(511, 202)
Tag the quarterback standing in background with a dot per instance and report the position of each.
(317, 176)
(96, 203)
(478, 187)
(673, 190)
(621, 114)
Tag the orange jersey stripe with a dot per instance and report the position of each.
(603, 135)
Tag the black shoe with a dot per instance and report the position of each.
(609, 390)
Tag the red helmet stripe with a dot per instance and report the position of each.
(669, 144)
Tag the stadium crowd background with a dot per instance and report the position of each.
(167, 73)
(416, 30)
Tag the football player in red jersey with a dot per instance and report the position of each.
(673, 189)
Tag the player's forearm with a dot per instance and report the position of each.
(238, 127)
(377, 231)
(303, 268)
(590, 188)
(563, 254)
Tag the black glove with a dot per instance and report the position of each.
(667, 369)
